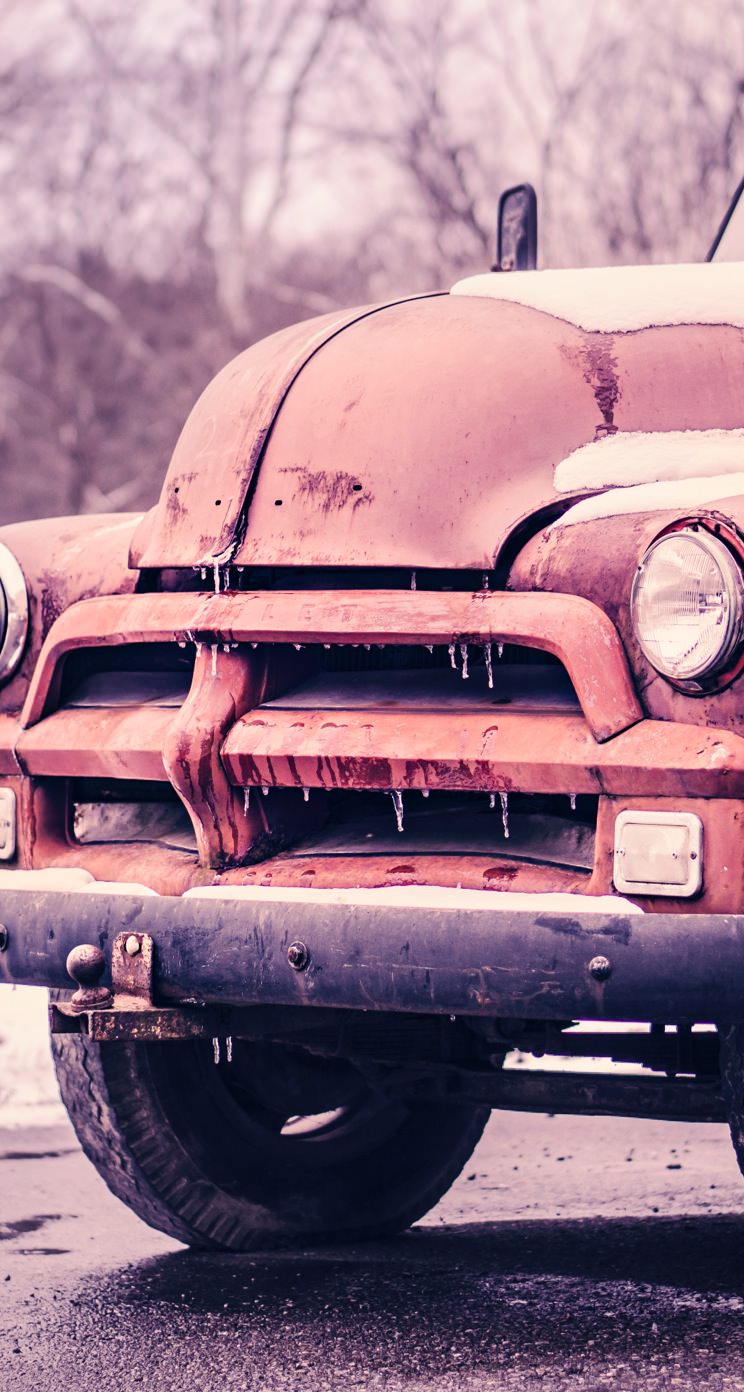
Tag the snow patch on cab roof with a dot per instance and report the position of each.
(632, 457)
(619, 299)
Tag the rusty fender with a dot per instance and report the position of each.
(366, 956)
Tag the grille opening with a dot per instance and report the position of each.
(236, 577)
(419, 678)
(543, 829)
(159, 674)
(127, 675)
(119, 813)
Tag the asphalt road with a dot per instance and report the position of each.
(573, 1253)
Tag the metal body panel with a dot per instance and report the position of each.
(96, 744)
(365, 956)
(170, 871)
(64, 559)
(218, 451)
(421, 434)
(540, 753)
(378, 749)
(597, 559)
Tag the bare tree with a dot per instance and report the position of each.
(219, 101)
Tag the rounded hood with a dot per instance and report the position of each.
(423, 434)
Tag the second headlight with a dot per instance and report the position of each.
(687, 603)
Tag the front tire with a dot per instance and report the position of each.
(217, 1158)
(731, 1042)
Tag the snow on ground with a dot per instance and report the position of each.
(28, 1089)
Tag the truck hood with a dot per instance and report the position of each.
(426, 433)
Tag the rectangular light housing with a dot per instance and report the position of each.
(658, 853)
(7, 823)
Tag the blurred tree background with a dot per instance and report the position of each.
(182, 180)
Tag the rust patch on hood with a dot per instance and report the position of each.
(327, 490)
(600, 372)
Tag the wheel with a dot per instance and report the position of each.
(274, 1147)
(731, 1043)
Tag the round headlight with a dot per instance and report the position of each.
(13, 613)
(686, 605)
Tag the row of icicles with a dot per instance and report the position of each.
(452, 650)
(221, 576)
(397, 797)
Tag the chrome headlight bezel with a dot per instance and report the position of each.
(13, 613)
(719, 665)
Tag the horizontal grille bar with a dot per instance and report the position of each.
(574, 630)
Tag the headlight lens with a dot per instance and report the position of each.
(13, 613)
(687, 604)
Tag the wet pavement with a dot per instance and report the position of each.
(573, 1253)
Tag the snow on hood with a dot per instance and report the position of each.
(653, 497)
(632, 457)
(618, 299)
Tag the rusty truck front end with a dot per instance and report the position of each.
(354, 774)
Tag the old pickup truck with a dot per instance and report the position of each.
(405, 732)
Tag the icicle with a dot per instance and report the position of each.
(430, 647)
(233, 646)
(492, 801)
(306, 794)
(228, 1048)
(424, 792)
(216, 1050)
(246, 799)
(189, 636)
(500, 650)
(367, 647)
(464, 656)
(216, 577)
(225, 647)
(213, 650)
(505, 813)
(452, 658)
(572, 801)
(182, 642)
(488, 657)
(203, 572)
(326, 645)
(198, 647)
(298, 646)
(265, 790)
(413, 579)
(254, 645)
(484, 580)
(398, 805)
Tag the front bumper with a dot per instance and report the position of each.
(363, 951)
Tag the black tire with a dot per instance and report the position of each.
(731, 1042)
(208, 1155)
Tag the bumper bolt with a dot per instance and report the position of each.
(132, 945)
(298, 956)
(600, 968)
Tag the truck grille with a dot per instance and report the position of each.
(348, 727)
